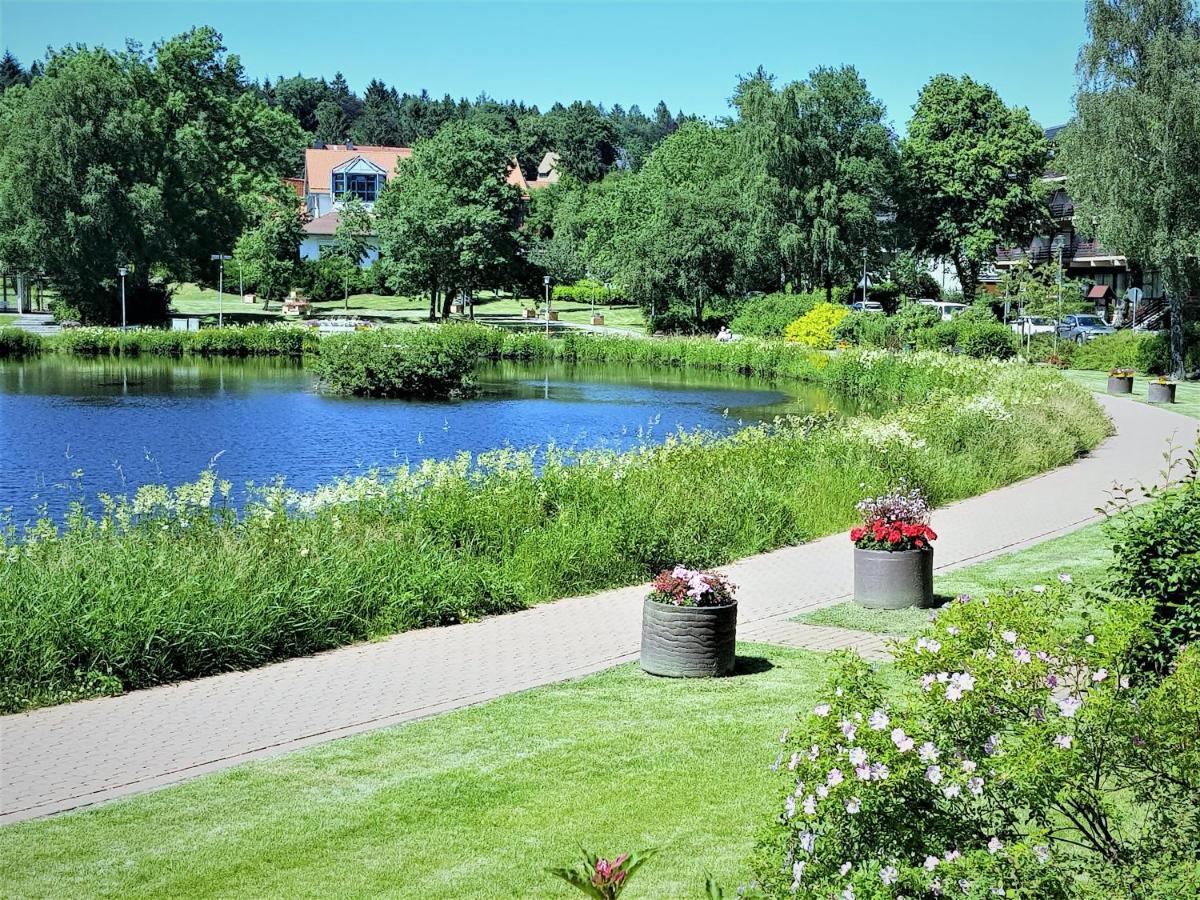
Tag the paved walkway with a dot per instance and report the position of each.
(38, 323)
(63, 757)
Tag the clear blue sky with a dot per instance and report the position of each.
(687, 53)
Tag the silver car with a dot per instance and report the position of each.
(1082, 328)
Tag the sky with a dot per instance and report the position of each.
(686, 53)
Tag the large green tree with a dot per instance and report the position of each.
(1132, 151)
(447, 222)
(821, 163)
(267, 249)
(973, 170)
(352, 240)
(114, 158)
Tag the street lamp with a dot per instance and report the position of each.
(122, 271)
(1059, 317)
(219, 259)
(546, 282)
(864, 283)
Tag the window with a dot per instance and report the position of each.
(364, 187)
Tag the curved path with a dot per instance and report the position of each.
(69, 756)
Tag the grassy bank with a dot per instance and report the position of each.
(474, 803)
(238, 340)
(171, 585)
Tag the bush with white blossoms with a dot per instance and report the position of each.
(1019, 756)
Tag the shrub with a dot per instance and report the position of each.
(986, 341)
(585, 290)
(237, 340)
(117, 594)
(1018, 755)
(17, 342)
(416, 362)
(1154, 353)
(816, 327)
(768, 315)
(1124, 349)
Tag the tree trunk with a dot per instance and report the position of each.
(447, 299)
(1176, 291)
(968, 274)
(433, 295)
(828, 287)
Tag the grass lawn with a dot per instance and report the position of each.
(1187, 394)
(7, 319)
(1084, 553)
(474, 803)
(194, 300)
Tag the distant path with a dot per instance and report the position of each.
(63, 757)
(38, 323)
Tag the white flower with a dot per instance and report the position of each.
(853, 805)
(889, 874)
(797, 873)
(991, 745)
(931, 863)
(789, 807)
(858, 756)
(902, 741)
(933, 774)
(1123, 681)
(975, 786)
(952, 855)
(1090, 639)
(879, 720)
(952, 630)
(951, 791)
(1010, 637)
(954, 693)
(1068, 706)
(928, 752)
(793, 762)
(849, 729)
(1039, 589)
(813, 753)
(879, 772)
(822, 791)
(848, 893)
(927, 681)
(1042, 852)
(863, 772)
(821, 710)
(835, 777)
(810, 805)
(846, 867)
(1065, 577)
(1099, 675)
(1063, 741)
(807, 841)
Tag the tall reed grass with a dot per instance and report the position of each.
(169, 585)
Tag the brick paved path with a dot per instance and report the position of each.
(63, 757)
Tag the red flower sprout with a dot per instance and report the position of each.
(898, 521)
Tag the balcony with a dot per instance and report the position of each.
(1078, 253)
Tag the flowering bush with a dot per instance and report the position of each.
(601, 878)
(687, 587)
(898, 520)
(816, 327)
(1021, 757)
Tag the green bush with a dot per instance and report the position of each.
(1154, 353)
(987, 341)
(120, 594)
(585, 291)
(1124, 349)
(816, 327)
(17, 342)
(236, 340)
(768, 315)
(416, 362)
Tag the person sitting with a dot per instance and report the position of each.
(724, 335)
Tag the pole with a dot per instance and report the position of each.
(221, 292)
(546, 282)
(1059, 315)
(241, 285)
(122, 301)
(864, 290)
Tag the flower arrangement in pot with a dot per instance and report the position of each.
(893, 551)
(689, 625)
(1120, 381)
(1161, 390)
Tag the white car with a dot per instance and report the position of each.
(1027, 325)
(947, 309)
(868, 306)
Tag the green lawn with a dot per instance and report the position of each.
(7, 319)
(1084, 554)
(194, 300)
(474, 803)
(1187, 394)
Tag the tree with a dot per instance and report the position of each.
(1132, 151)
(11, 72)
(585, 140)
(267, 249)
(447, 222)
(380, 119)
(822, 163)
(973, 170)
(300, 97)
(351, 239)
(331, 126)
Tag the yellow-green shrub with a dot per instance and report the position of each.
(815, 328)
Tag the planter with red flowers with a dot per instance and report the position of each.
(893, 552)
(689, 625)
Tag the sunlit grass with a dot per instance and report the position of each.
(1187, 393)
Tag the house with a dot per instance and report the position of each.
(333, 171)
(1083, 258)
(547, 173)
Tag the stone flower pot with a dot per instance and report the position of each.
(1120, 384)
(885, 579)
(553, 315)
(528, 313)
(597, 319)
(688, 641)
(1157, 392)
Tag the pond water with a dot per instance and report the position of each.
(127, 423)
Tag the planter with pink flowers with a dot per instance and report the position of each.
(893, 552)
(689, 625)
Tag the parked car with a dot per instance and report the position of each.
(1027, 325)
(947, 309)
(868, 306)
(1082, 328)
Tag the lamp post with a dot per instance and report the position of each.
(219, 259)
(1058, 320)
(546, 283)
(122, 271)
(864, 284)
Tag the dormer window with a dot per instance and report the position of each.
(364, 187)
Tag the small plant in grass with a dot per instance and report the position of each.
(1163, 379)
(895, 521)
(686, 587)
(1121, 372)
(601, 878)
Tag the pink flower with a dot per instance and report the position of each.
(879, 720)
(928, 752)
(902, 741)
(821, 710)
(853, 805)
(994, 845)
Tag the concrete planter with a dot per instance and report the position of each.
(884, 579)
(1120, 384)
(553, 315)
(1156, 392)
(597, 319)
(688, 641)
(528, 313)
(456, 309)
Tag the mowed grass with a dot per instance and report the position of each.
(625, 316)
(474, 803)
(1084, 554)
(1187, 393)
(7, 319)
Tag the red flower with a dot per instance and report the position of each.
(929, 533)
(894, 536)
(856, 534)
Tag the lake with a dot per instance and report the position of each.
(153, 420)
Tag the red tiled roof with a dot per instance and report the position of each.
(319, 162)
(326, 224)
(1099, 291)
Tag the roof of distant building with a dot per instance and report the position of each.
(319, 162)
(326, 224)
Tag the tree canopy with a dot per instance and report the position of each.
(1132, 151)
(973, 168)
